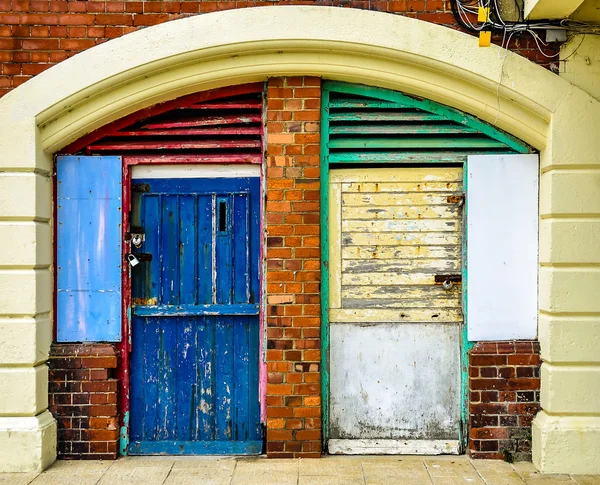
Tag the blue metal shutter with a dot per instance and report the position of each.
(89, 260)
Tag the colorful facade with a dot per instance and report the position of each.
(298, 108)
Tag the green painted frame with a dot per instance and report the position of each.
(513, 146)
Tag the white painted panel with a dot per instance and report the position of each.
(181, 171)
(502, 246)
(398, 382)
(393, 447)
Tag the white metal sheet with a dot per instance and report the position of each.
(392, 381)
(502, 247)
(393, 447)
(179, 171)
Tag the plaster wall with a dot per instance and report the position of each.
(170, 60)
(582, 63)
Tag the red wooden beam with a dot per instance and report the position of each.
(111, 128)
(223, 159)
(208, 121)
(249, 130)
(173, 145)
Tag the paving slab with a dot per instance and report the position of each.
(586, 479)
(136, 475)
(17, 478)
(193, 476)
(329, 480)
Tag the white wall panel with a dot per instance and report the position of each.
(502, 246)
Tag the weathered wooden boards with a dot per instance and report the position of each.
(394, 330)
(195, 324)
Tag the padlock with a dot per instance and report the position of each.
(133, 261)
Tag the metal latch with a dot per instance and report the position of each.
(456, 199)
(137, 236)
(447, 280)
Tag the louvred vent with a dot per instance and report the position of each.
(220, 124)
(392, 127)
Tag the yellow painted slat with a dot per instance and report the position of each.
(426, 174)
(396, 187)
(400, 252)
(394, 199)
(411, 293)
(386, 212)
(378, 303)
(350, 266)
(400, 239)
(387, 279)
(408, 315)
(335, 234)
(402, 226)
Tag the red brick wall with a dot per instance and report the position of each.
(293, 268)
(36, 34)
(83, 399)
(504, 385)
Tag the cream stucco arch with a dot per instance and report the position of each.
(238, 46)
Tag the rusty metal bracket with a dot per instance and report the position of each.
(454, 278)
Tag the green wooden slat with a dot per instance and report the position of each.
(399, 157)
(361, 103)
(384, 116)
(375, 143)
(419, 129)
(430, 106)
(324, 202)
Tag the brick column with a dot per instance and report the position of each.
(504, 385)
(83, 399)
(293, 262)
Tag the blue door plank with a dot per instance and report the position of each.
(224, 377)
(206, 370)
(187, 249)
(254, 427)
(150, 377)
(224, 256)
(170, 250)
(241, 249)
(241, 349)
(205, 248)
(254, 241)
(137, 397)
(186, 378)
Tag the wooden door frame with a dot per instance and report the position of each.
(461, 158)
(124, 347)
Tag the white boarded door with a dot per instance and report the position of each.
(395, 237)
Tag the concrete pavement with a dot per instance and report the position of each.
(331, 470)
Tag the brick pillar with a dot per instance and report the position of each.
(83, 399)
(293, 268)
(504, 385)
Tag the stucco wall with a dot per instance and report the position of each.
(394, 52)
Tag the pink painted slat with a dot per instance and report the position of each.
(208, 121)
(251, 158)
(173, 145)
(251, 130)
(233, 105)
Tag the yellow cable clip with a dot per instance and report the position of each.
(483, 14)
(485, 38)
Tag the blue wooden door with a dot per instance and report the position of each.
(195, 324)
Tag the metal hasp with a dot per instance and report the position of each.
(195, 318)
